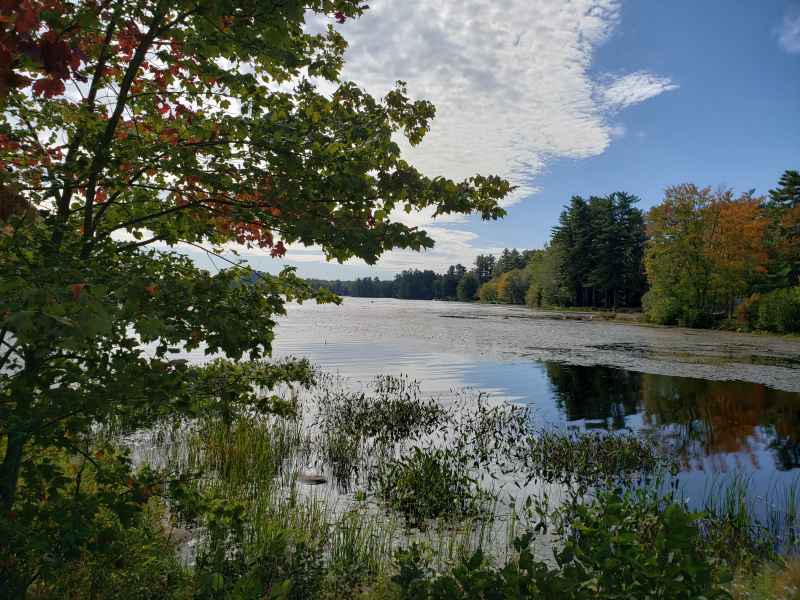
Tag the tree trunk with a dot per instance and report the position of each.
(9, 469)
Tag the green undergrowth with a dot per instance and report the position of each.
(468, 499)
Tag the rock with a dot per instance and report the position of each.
(311, 478)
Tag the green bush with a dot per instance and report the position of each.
(665, 309)
(779, 311)
(429, 484)
(488, 292)
(661, 308)
(619, 547)
(88, 528)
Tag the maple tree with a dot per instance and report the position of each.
(735, 246)
(128, 124)
(706, 251)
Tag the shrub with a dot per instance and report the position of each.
(78, 532)
(618, 547)
(488, 292)
(666, 309)
(660, 308)
(779, 311)
(429, 484)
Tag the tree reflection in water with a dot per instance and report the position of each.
(706, 422)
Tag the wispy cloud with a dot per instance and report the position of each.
(634, 88)
(789, 32)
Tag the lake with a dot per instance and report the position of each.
(727, 404)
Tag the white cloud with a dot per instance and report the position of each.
(789, 33)
(618, 131)
(634, 88)
(511, 84)
(508, 78)
(452, 246)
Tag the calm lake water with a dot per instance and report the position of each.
(728, 404)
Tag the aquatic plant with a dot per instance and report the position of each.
(244, 452)
(745, 524)
(429, 484)
(391, 410)
(618, 546)
(490, 434)
(591, 458)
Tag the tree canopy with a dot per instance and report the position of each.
(130, 128)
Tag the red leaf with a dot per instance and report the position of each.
(100, 197)
(49, 87)
(27, 18)
(151, 289)
(76, 289)
(278, 250)
(76, 58)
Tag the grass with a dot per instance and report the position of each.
(589, 458)
(771, 581)
(405, 469)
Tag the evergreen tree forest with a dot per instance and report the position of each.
(700, 258)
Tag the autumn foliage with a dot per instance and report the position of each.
(711, 255)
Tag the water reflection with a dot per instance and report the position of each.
(704, 421)
(600, 395)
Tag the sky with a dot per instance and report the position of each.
(576, 97)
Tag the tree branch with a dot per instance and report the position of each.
(62, 203)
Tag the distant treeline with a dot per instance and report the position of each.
(700, 258)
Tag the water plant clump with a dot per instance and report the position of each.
(391, 410)
(430, 484)
(590, 458)
(493, 435)
(248, 451)
(356, 428)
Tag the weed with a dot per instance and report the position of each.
(429, 484)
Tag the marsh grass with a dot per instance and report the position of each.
(353, 428)
(744, 522)
(389, 411)
(589, 458)
(405, 469)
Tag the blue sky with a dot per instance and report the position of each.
(733, 121)
(583, 97)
